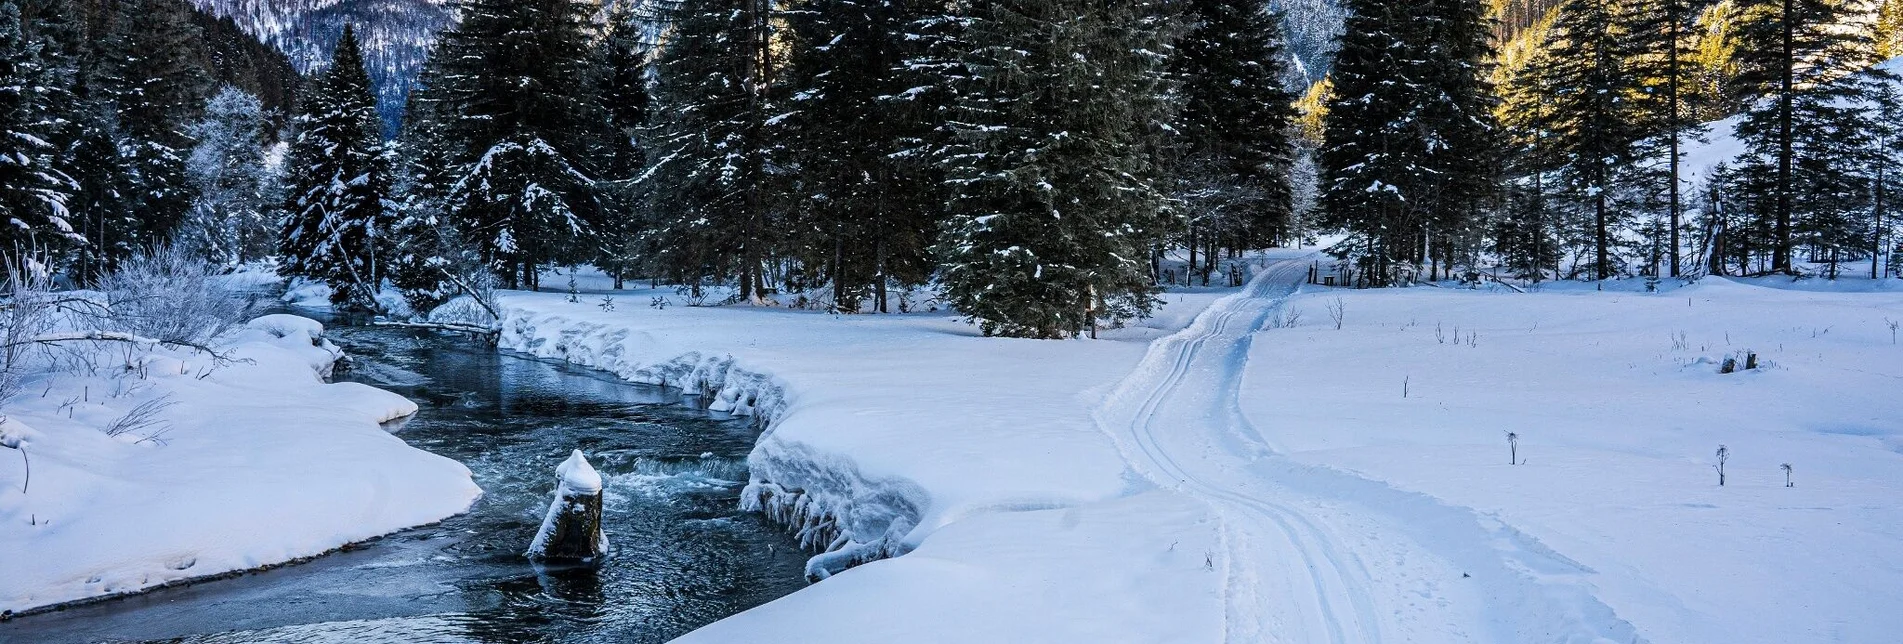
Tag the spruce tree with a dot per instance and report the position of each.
(1236, 155)
(234, 215)
(147, 69)
(105, 192)
(1524, 234)
(1804, 79)
(710, 189)
(621, 81)
(34, 194)
(519, 127)
(1054, 200)
(1657, 48)
(868, 207)
(338, 201)
(1593, 120)
(1411, 151)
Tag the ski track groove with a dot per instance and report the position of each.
(1191, 409)
(1323, 562)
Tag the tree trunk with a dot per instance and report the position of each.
(1672, 123)
(879, 273)
(1191, 265)
(1781, 253)
(1876, 233)
(1603, 261)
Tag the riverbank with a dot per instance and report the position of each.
(1272, 472)
(882, 431)
(152, 466)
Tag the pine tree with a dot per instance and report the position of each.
(147, 70)
(518, 126)
(1054, 200)
(868, 208)
(710, 188)
(234, 216)
(1889, 29)
(1657, 47)
(105, 192)
(1804, 79)
(1593, 120)
(338, 201)
(33, 192)
(1524, 235)
(1411, 151)
(1884, 159)
(1235, 121)
(621, 80)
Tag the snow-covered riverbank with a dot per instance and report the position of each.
(1283, 479)
(252, 462)
(903, 427)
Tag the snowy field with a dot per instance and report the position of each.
(1619, 407)
(1262, 478)
(250, 463)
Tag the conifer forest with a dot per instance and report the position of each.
(1045, 166)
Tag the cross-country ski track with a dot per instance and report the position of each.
(1319, 555)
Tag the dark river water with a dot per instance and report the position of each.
(683, 555)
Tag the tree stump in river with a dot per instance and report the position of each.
(571, 532)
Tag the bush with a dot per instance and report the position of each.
(167, 295)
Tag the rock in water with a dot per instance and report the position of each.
(572, 530)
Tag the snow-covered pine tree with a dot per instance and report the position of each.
(711, 191)
(1465, 139)
(1411, 150)
(868, 209)
(338, 195)
(1054, 196)
(1807, 84)
(235, 214)
(1594, 120)
(520, 127)
(146, 67)
(1658, 51)
(621, 78)
(33, 192)
(104, 190)
(1885, 157)
(1235, 154)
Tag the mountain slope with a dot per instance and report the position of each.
(395, 35)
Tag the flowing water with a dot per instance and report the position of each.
(683, 555)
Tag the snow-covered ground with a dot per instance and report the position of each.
(1246, 479)
(1619, 407)
(244, 464)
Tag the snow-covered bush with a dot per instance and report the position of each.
(28, 309)
(167, 295)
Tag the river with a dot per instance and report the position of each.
(683, 555)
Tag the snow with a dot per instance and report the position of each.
(1619, 406)
(250, 463)
(1720, 143)
(577, 475)
(1218, 473)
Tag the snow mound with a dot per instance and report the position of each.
(179, 466)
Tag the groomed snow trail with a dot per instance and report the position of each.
(1319, 555)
